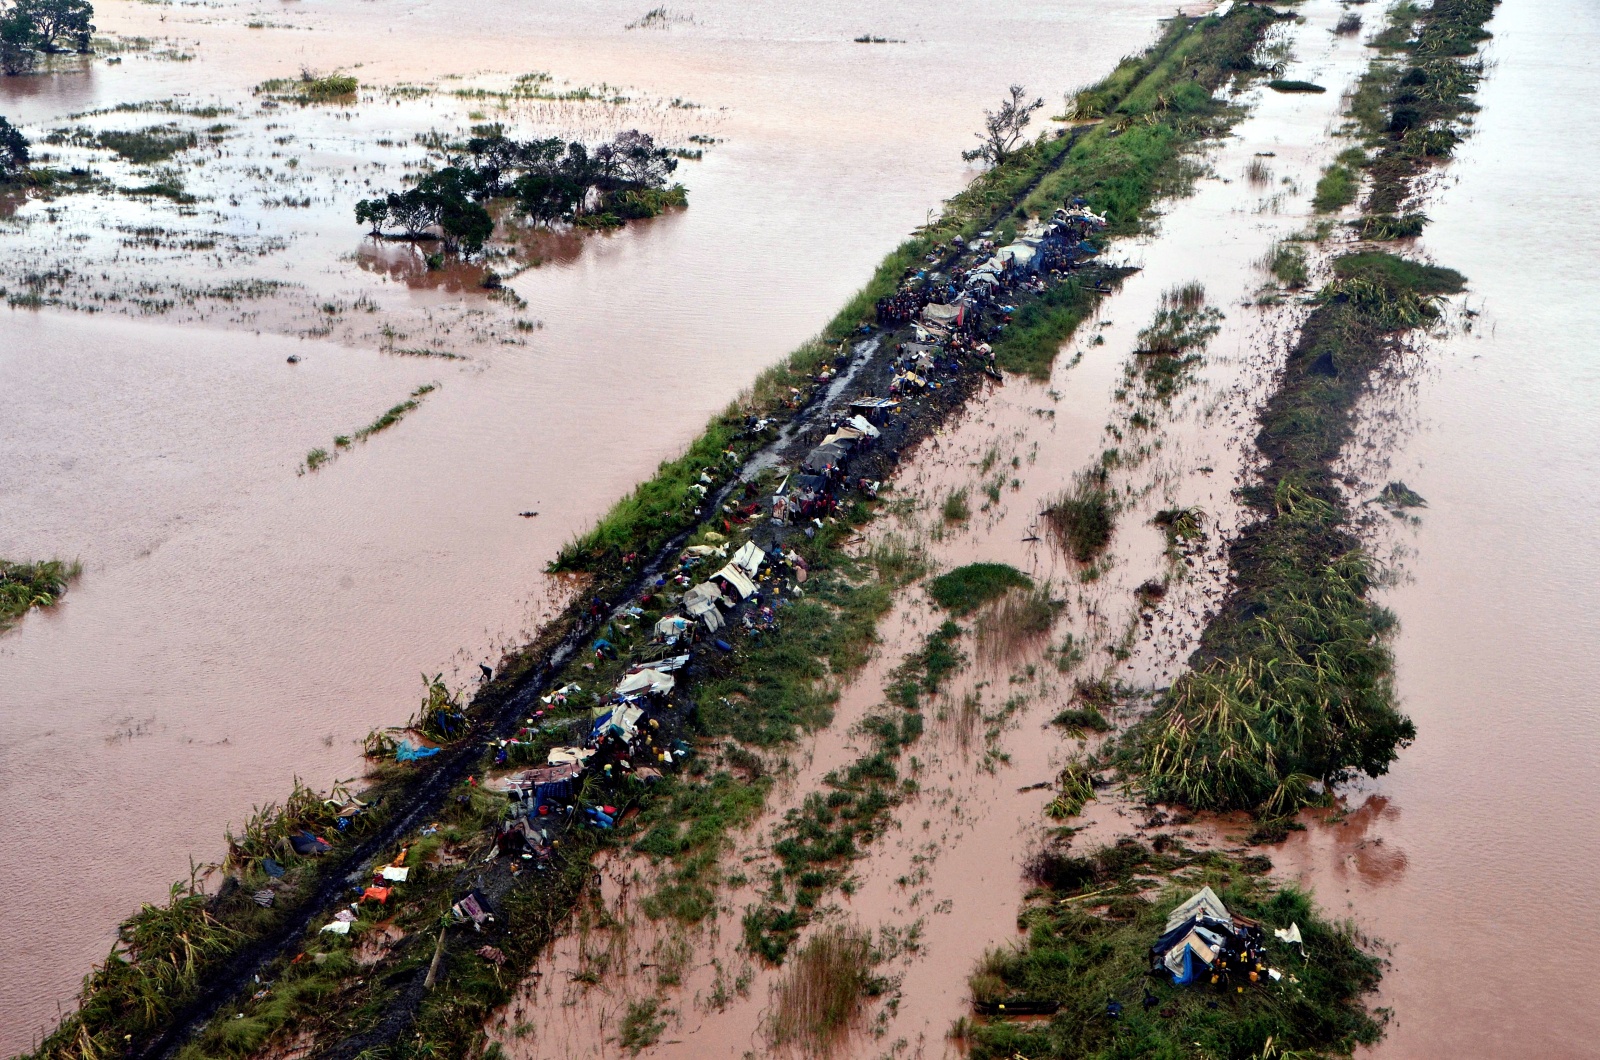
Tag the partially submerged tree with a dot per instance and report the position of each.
(465, 224)
(550, 181)
(1002, 129)
(19, 42)
(14, 155)
(60, 24)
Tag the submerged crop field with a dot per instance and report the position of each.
(715, 741)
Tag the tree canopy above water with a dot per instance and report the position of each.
(548, 180)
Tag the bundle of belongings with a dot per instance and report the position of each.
(1203, 940)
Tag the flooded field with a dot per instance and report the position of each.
(1483, 837)
(238, 625)
(943, 886)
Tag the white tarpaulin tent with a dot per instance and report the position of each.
(1021, 255)
(736, 578)
(672, 626)
(646, 681)
(749, 558)
(701, 598)
(860, 423)
(701, 602)
(1203, 902)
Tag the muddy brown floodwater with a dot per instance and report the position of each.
(237, 625)
(1478, 857)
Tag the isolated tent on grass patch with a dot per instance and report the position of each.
(1203, 940)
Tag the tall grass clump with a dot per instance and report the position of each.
(1082, 518)
(1287, 264)
(956, 508)
(1018, 619)
(965, 589)
(24, 586)
(1336, 189)
(823, 997)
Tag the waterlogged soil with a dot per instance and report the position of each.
(944, 884)
(237, 625)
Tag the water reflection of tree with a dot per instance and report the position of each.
(407, 262)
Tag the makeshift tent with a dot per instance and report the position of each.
(644, 682)
(825, 456)
(1204, 901)
(1203, 939)
(1193, 955)
(736, 578)
(845, 435)
(944, 314)
(702, 599)
(623, 721)
(750, 557)
(1023, 257)
(672, 627)
(666, 666)
(874, 403)
(861, 424)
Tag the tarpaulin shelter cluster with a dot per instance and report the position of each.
(944, 305)
(1204, 942)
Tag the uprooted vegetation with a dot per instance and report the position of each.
(24, 586)
(1090, 925)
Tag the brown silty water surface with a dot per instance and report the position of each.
(1478, 857)
(944, 884)
(239, 625)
